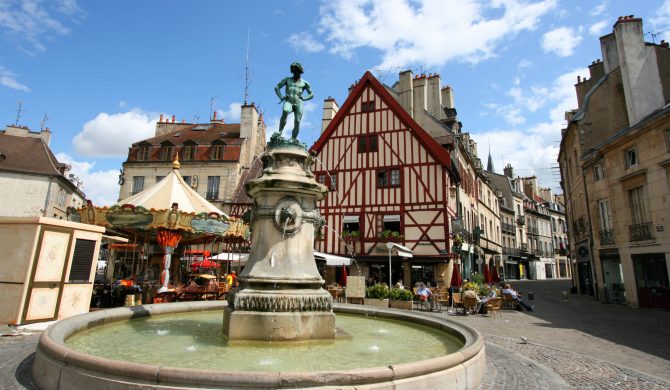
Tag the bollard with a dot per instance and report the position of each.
(565, 295)
(531, 295)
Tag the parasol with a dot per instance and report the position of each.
(343, 276)
(495, 278)
(205, 264)
(487, 273)
(456, 280)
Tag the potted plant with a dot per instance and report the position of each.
(377, 295)
(401, 298)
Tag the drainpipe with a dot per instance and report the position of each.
(46, 200)
(588, 215)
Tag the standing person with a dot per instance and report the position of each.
(507, 290)
(231, 279)
(426, 295)
(292, 101)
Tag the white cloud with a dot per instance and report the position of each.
(533, 151)
(305, 42)
(405, 31)
(599, 9)
(232, 115)
(8, 79)
(661, 20)
(123, 104)
(308, 129)
(110, 135)
(561, 40)
(598, 28)
(33, 22)
(101, 187)
(524, 63)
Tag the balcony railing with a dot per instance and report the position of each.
(532, 229)
(507, 227)
(607, 237)
(510, 251)
(640, 231)
(214, 195)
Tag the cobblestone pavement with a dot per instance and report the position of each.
(573, 344)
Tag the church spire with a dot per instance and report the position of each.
(489, 165)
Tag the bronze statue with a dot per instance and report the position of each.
(292, 102)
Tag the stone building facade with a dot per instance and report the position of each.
(214, 156)
(615, 169)
(32, 181)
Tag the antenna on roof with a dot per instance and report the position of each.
(658, 32)
(196, 117)
(211, 106)
(44, 121)
(247, 79)
(18, 112)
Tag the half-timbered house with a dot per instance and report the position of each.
(389, 181)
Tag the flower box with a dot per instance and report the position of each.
(405, 305)
(377, 302)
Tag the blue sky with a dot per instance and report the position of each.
(104, 71)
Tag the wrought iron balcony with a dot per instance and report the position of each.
(532, 229)
(507, 227)
(607, 237)
(640, 231)
(213, 195)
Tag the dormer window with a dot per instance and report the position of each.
(188, 151)
(217, 151)
(143, 152)
(167, 150)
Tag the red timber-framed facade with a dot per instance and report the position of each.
(389, 182)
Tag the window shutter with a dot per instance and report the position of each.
(80, 270)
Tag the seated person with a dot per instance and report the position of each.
(426, 295)
(471, 294)
(400, 285)
(491, 293)
(507, 290)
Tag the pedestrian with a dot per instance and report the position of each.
(507, 290)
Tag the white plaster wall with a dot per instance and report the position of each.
(22, 195)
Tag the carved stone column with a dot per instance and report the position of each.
(280, 297)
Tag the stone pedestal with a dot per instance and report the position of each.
(280, 296)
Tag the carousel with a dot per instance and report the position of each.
(168, 214)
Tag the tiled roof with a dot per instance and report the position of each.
(228, 133)
(27, 155)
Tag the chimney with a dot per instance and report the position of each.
(435, 97)
(420, 93)
(330, 108)
(597, 70)
(160, 119)
(165, 126)
(639, 70)
(447, 97)
(406, 91)
(509, 171)
(215, 120)
(173, 119)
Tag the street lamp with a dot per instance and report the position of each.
(402, 251)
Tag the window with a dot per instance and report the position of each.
(367, 143)
(138, 184)
(321, 178)
(166, 152)
(351, 228)
(638, 205)
(388, 178)
(390, 226)
(217, 152)
(667, 139)
(187, 179)
(631, 157)
(159, 178)
(143, 153)
(368, 106)
(604, 214)
(188, 152)
(62, 197)
(598, 173)
(333, 182)
(212, 187)
(82, 260)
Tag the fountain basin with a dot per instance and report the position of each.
(59, 367)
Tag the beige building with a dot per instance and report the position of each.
(615, 163)
(32, 181)
(214, 156)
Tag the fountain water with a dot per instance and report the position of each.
(280, 304)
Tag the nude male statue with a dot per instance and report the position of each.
(292, 102)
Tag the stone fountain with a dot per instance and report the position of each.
(280, 297)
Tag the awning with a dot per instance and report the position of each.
(333, 260)
(350, 219)
(392, 218)
(403, 251)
